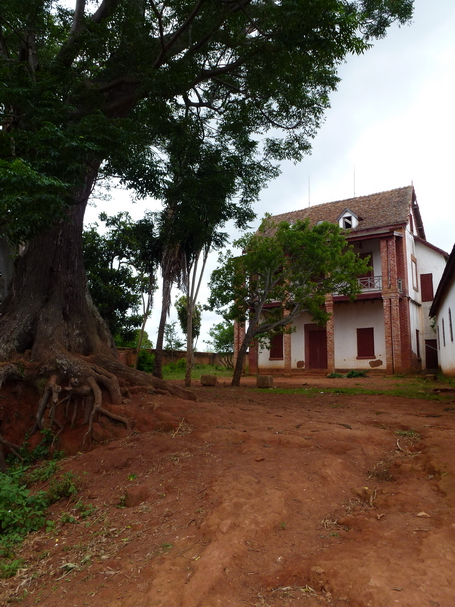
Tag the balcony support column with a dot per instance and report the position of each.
(330, 331)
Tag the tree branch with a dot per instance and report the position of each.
(178, 33)
(107, 7)
(76, 26)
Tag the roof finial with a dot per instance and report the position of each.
(354, 181)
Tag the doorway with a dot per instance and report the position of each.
(315, 347)
(431, 354)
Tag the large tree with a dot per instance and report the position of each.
(97, 88)
(284, 270)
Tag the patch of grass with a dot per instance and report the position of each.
(177, 370)
(412, 434)
(335, 376)
(409, 389)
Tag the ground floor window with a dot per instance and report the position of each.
(276, 347)
(365, 343)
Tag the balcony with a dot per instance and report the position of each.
(369, 284)
(372, 284)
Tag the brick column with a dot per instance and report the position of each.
(396, 333)
(391, 306)
(330, 330)
(287, 349)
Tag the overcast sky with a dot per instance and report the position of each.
(392, 123)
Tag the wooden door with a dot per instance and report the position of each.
(315, 347)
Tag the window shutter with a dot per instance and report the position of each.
(365, 343)
(276, 346)
(426, 283)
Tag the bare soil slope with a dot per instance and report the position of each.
(257, 498)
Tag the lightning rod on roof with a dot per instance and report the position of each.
(309, 201)
(354, 181)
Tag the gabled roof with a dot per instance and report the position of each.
(383, 210)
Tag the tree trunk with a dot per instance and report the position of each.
(49, 323)
(48, 310)
(189, 343)
(242, 353)
(165, 303)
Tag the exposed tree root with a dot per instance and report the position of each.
(97, 408)
(79, 389)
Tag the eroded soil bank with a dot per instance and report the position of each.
(260, 498)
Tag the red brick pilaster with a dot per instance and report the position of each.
(287, 349)
(330, 330)
(391, 305)
(396, 333)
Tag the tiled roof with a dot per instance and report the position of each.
(385, 209)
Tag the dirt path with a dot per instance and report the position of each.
(258, 498)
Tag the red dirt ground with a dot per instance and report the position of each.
(255, 497)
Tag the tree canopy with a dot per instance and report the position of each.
(111, 85)
(289, 267)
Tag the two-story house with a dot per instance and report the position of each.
(387, 327)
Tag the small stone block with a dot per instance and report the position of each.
(208, 380)
(264, 381)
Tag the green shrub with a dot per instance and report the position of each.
(20, 511)
(145, 361)
(357, 374)
(9, 568)
(66, 486)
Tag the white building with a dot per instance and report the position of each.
(443, 310)
(387, 327)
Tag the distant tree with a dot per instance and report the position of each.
(293, 265)
(222, 342)
(121, 263)
(172, 341)
(182, 315)
(146, 342)
(208, 184)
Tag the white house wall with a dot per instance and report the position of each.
(348, 317)
(446, 351)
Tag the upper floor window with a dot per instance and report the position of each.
(414, 273)
(426, 283)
